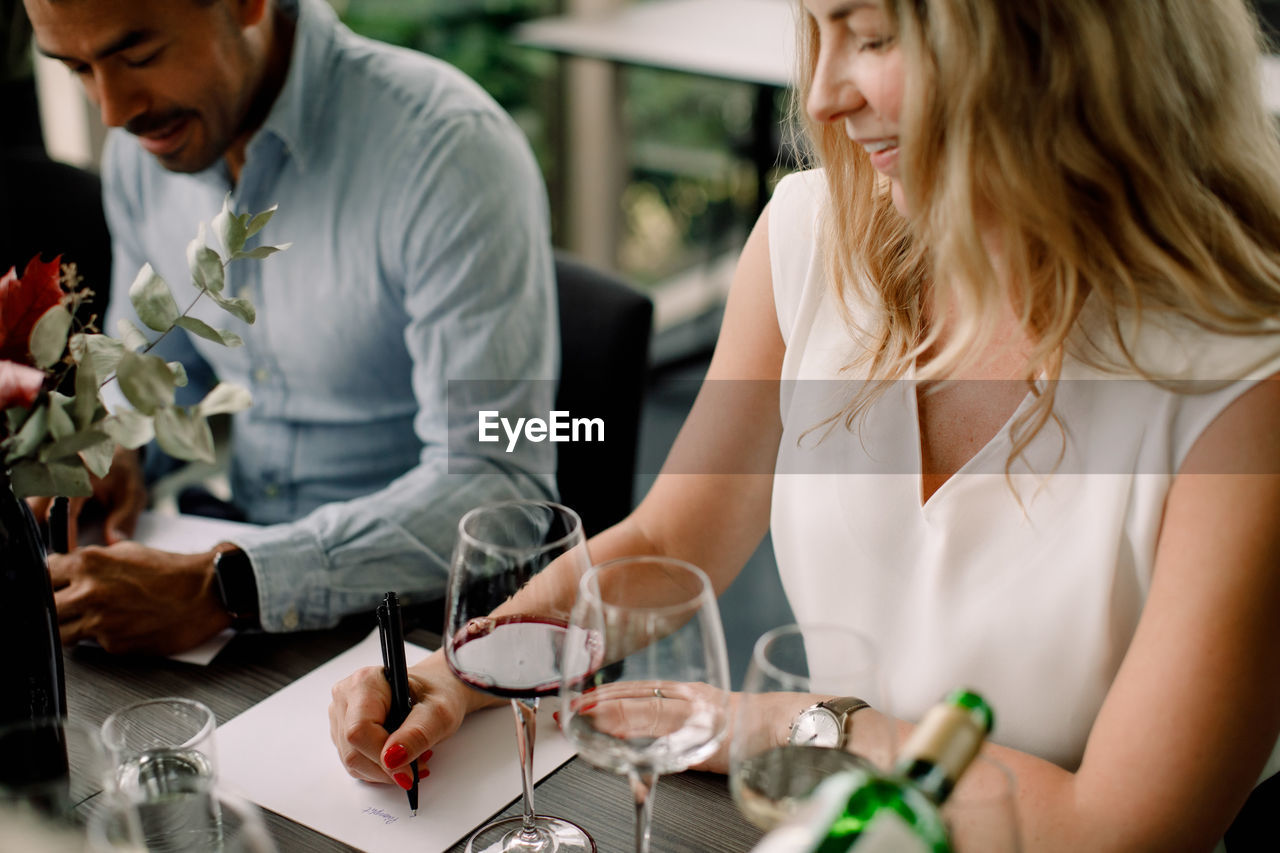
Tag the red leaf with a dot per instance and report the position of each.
(22, 302)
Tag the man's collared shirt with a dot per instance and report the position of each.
(421, 254)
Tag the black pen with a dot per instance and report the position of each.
(396, 671)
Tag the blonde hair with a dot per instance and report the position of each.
(1117, 148)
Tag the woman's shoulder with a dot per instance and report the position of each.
(1171, 346)
(794, 258)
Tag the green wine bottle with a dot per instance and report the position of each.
(863, 811)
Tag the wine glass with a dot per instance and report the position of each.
(982, 812)
(772, 770)
(513, 651)
(645, 674)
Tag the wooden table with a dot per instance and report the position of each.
(692, 812)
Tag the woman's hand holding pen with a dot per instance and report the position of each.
(361, 702)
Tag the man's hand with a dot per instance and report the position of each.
(130, 598)
(122, 493)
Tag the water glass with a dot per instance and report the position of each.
(162, 748)
(210, 821)
(50, 766)
(792, 668)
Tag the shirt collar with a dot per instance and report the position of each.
(294, 112)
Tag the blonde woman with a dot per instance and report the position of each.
(1071, 208)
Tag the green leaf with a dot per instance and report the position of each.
(49, 336)
(128, 428)
(260, 220)
(60, 423)
(97, 457)
(86, 400)
(179, 371)
(29, 437)
(152, 300)
(231, 229)
(72, 444)
(205, 264)
(184, 435)
(99, 353)
(223, 399)
(146, 381)
(261, 252)
(131, 336)
(38, 479)
(204, 330)
(13, 418)
(237, 306)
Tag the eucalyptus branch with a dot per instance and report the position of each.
(47, 448)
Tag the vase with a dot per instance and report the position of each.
(31, 679)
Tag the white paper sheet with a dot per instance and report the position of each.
(278, 754)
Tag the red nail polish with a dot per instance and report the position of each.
(587, 707)
(395, 756)
(555, 715)
(404, 780)
(424, 773)
(426, 755)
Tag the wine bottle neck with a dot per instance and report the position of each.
(930, 778)
(939, 750)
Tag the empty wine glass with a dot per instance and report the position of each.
(982, 812)
(773, 767)
(514, 651)
(645, 675)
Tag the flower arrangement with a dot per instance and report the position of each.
(51, 447)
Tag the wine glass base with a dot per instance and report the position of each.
(551, 835)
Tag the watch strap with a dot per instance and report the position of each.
(237, 587)
(844, 707)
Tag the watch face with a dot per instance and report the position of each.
(816, 727)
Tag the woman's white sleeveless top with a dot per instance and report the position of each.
(1030, 598)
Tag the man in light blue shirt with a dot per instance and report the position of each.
(420, 255)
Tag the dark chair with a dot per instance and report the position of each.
(53, 208)
(604, 354)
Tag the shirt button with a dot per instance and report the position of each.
(290, 619)
(262, 374)
(272, 491)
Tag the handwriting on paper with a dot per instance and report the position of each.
(387, 817)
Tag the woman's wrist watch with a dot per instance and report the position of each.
(826, 723)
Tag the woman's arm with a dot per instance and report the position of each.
(1194, 711)
(710, 503)
(700, 509)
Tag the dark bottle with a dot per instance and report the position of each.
(31, 679)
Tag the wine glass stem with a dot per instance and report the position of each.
(526, 713)
(642, 782)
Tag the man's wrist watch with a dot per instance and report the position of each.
(826, 723)
(237, 588)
